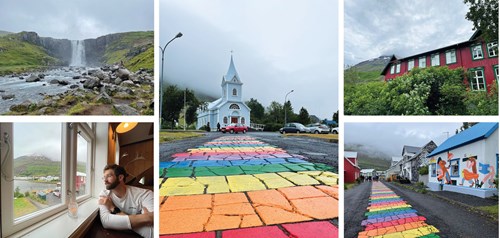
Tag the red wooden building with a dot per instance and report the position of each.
(351, 168)
(476, 56)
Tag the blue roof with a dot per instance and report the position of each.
(477, 132)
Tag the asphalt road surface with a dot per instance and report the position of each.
(314, 149)
(450, 220)
(355, 204)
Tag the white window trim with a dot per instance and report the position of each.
(475, 78)
(452, 60)
(398, 68)
(435, 61)
(491, 45)
(392, 69)
(68, 167)
(424, 60)
(412, 61)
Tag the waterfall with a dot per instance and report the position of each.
(78, 53)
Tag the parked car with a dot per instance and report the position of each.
(335, 130)
(293, 128)
(57, 192)
(234, 128)
(318, 128)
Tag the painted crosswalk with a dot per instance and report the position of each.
(388, 215)
(238, 186)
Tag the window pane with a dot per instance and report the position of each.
(411, 64)
(83, 168)
(37, 166)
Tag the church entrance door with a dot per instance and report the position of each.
(234, 120)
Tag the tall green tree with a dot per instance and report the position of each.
(257, 110)
(304, 116)
(173, 101)
(484, 15)
(290, 115)
(335, 117)
(275, 113)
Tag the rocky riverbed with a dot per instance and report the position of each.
(108, 90)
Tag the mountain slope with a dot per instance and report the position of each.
(370, 158)
(17, 55)
(39, 165)
(366, 71)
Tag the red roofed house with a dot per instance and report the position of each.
(351, 168)
(476, 56)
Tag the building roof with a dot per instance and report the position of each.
(410, 149)
(350, 154)
(367, 170)
(396, 158)
(350, 162)
(232, 74)
(394, 58)
(477, 132)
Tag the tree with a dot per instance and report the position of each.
(290, 116)
(484, 16)
(275, 113)
(303, 116)
(173, 101)
(336, 117)
(192, 105)
(256, 110)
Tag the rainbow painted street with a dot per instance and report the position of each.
(237, 186)
(390, 216)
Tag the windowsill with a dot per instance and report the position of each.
(63, 225)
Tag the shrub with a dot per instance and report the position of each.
(423, 170)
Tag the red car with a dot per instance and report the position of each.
(234, 128)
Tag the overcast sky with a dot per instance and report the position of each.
(42, 139)
(278, 46)
(391, 137)
(76, 19)
(404, 27)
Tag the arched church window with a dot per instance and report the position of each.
(234, 106)
(225, 120)
(242, 120)
(235, 92)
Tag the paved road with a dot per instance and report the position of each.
(315, 150)
(452, 221)
(355, 204)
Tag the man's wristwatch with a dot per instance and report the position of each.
(116, 210)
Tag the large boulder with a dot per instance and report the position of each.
(32, 78)
(54, 81)
(127, 83)
(125, 109)
(123, 74)
(8, 96)
(103, 98)
(92, 83)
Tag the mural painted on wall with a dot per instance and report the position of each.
(474, 174)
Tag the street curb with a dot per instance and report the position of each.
(453, 202)
(321, 139)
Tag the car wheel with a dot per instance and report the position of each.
(232, 131)
(316, 132)
(298, 132)
(334, 132)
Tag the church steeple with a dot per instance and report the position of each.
(232, 74)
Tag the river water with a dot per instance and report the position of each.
(35, 91)
(28, 186)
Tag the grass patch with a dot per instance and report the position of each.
(135, 49)
(348, 186)
(177, 135)
(492, 210)
(22, 206)
(329, 137)
(78, 109)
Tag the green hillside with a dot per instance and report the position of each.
(17, 55)
(39, 165)
(369, 158)
(3, 33)
(134, 48)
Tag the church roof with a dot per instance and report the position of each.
(232, 74)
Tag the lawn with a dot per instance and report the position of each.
(166, 136)
(492, 210)
(23, 206)
(329, 137)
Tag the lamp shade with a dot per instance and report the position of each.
(125, 127)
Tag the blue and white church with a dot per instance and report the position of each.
(230, 108)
